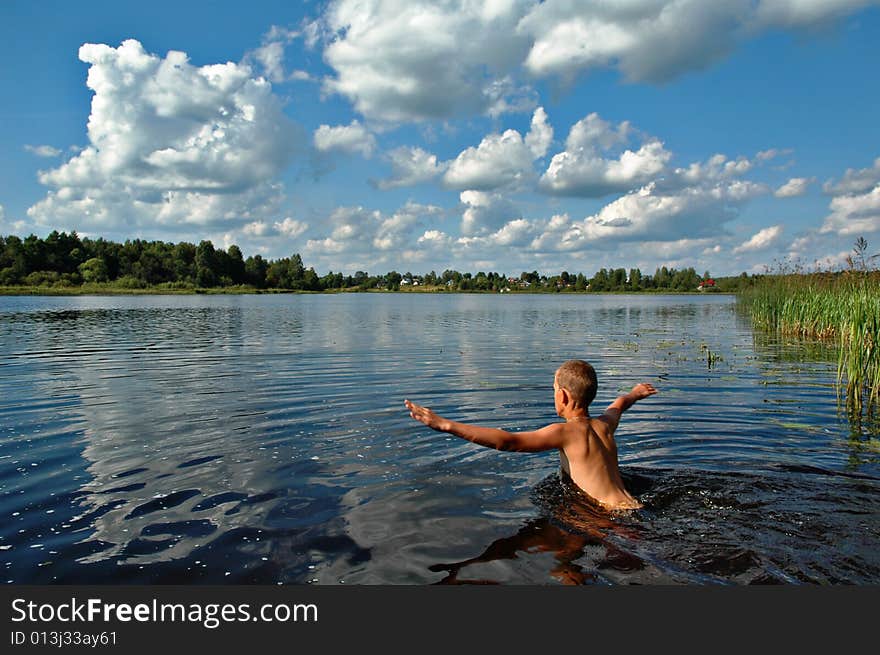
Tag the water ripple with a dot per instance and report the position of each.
(263, 439)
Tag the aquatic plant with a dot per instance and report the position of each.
(712, 358)
(841, 307)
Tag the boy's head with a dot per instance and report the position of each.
(578, 379)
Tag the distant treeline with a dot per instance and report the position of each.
(65, 260)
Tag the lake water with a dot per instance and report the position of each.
(263, 439)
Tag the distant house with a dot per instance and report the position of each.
(708, 283)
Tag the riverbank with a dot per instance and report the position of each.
(114, 290)
(110, 289)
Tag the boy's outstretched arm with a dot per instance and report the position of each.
(624, 402)
(546, 438)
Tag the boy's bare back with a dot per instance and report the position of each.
(587, 450)
(589, 458)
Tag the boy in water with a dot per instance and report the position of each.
(587, 451)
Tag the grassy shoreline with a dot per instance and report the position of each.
(838, 308)
(110, 290)
(162, 290)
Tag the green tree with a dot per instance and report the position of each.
(255, 269)
(481, 282)
(94, 270)
(109, 251)
(392, 280)
(362, 280)
(34, 253)
(206, 273)
(662, 278)
(62, 252)
(156, 263)
(12, 261)
(236, 265)
(601, 281)
(277, 275)
(310, 280)
(184, 262)
(333, 281)
(635, 279)
(297, 269)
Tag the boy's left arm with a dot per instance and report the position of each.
(547, 438)
(622, 403)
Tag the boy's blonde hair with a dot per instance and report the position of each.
(579, 379)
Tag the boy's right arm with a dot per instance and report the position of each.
(624, 402)
(547, 438)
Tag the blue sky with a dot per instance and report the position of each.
(507, 135)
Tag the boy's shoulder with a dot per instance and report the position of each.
(596, 425)
(604, 423)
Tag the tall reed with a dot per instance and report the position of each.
(844, 307)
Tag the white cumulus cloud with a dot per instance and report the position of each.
(350, 231)
(411, 60)
(646, 40)
(715, 169)
(762, 240)
(855, 214)
(540, 134)
(351, 138)
(290, 227)
(855, 180)
(501, 159)
(256, 229)
(43, 151)
(657, 212)
(517, 232)
(585, 168)
(170, 144)
(435, 240)
(656, 40)
(411, 166)
(796, 186)
(485, 212)
(270, 55)
(360, 236)
(800, 13)
(855, 207)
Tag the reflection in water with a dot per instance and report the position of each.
(262, 439)
(572, 529)
(537, 535)
(697, 528)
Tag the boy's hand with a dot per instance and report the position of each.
(426, 416)
(642, 390)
